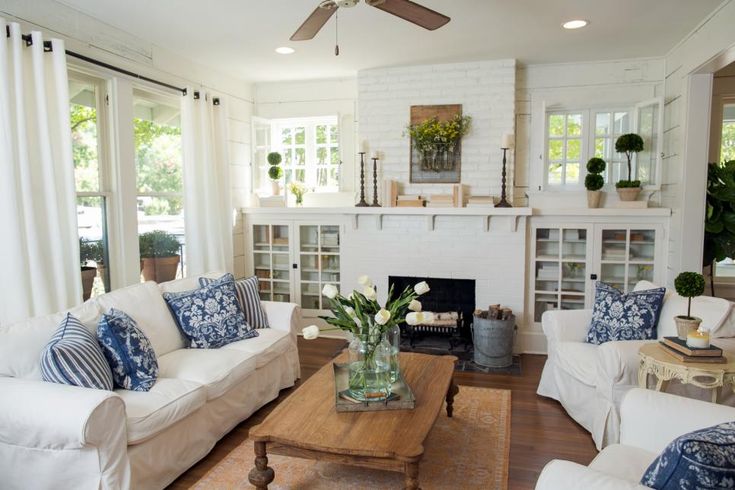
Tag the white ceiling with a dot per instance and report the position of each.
(239, 36)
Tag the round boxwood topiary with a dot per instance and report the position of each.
(689, 285)
(274, 158)
(594, 182)
(630, 142)
(275, 172)
(596, 165)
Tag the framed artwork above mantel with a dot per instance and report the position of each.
(439, 163)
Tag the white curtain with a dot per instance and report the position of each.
(208, 208)
(39, 249)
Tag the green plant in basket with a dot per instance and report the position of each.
(158, 243)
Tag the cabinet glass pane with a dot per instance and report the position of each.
(547, 276)
(309, 268)
(574, 244)
(547, 243)
(572, 302)
(262, 265)
(264, 288)
(329, 263)
(613, 244)
(330, 276)
(642, 245)
(573, 277)
(614, 275)
(310, 296)
(330, 239)
(261, 237)
(640, 272)
(280, 262)
(280, 238)
(309, 238)
(281, 291)
(544, 302)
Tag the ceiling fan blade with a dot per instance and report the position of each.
(313, 24)
(412, 12)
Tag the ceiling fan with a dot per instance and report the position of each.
(405, 9)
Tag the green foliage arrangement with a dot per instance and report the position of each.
(89, 250)
(689, 285)
(433, 138)
(158, 243)
(719, 223)
(594, 181)
(275, 172)
(629, 144)
(274, 158)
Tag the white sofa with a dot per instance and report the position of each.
(649, 422)
(590, 380)
(58, 436)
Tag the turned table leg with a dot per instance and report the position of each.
(453, 390)
(412, 476)
(261, 475)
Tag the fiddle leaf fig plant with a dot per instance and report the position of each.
(719, 221)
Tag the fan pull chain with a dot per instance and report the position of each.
(336, 34)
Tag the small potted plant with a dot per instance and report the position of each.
(86, 254)
(629, 144)
(689, 285)
(298, 189)
(275, 172)
(160, 254)
(594, 181)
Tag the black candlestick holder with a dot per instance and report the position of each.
(363, 203)
(503, 203)
(375, 203)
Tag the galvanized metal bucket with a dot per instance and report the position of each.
(493, 341)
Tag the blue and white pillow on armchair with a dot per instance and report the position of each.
(618, 316)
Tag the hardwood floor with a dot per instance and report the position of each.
(540, 428)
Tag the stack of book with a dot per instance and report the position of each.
(440, 201)
(680, 350)
(272, 202)
(410, 201)
(480, 202)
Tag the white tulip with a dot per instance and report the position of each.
(311, 332)
(365, 281)
(330, 291)
(414, 305)
(350, 311)
(369, 292)
(382, 317)
(421, 288)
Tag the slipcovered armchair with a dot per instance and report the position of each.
(649, 422)
(590, 380)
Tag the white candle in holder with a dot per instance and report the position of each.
(376, 155)
(365, 147)
(698, 339)
(507, 141)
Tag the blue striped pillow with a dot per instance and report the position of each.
(73, 357)
(249, 299)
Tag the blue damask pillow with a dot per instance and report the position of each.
(701, 459)
(210, 316)
(128, 351)
(73, 357)
(618, 316)
(248, 297)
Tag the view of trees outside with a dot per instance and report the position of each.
(565, 148)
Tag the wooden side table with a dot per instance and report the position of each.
(656, 361)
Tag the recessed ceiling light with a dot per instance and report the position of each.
(574, 24)
(285, 50)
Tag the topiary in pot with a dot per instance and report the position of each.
(594, 181)
(689, 285)
(629, 144)
(160, 254)
(275, 172)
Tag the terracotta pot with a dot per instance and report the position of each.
(88, 275)
(628, 193)
(685, 325)
(276, 188)
(160, 269)
(593, 199)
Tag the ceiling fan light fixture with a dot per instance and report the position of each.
(575, 24)
(285, 50)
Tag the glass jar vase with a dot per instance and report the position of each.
(369, 368)
(393, 339)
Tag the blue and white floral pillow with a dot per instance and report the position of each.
(128, 351)
(701, 459)
(618, 316)
(210, 316)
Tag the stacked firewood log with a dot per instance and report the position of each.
(495, 312)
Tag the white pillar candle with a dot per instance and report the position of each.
(376, 155)
(507, 141)
(365, 147)
(698, 340)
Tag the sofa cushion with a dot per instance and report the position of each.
(21, 343)
(210, 316)
(186, 283)
(217, 369)
(145, 305)
(270, 344)
(249, 299)
(618, 316)
(128, 351)
(579, 360)
(704, 458)
(625, 462)
(73, 357)
(169, 401)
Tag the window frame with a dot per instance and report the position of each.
(718, 118)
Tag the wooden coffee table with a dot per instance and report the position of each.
(306, 424)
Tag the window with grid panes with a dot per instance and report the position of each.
(564, 148)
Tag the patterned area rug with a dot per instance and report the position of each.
(469, 451)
